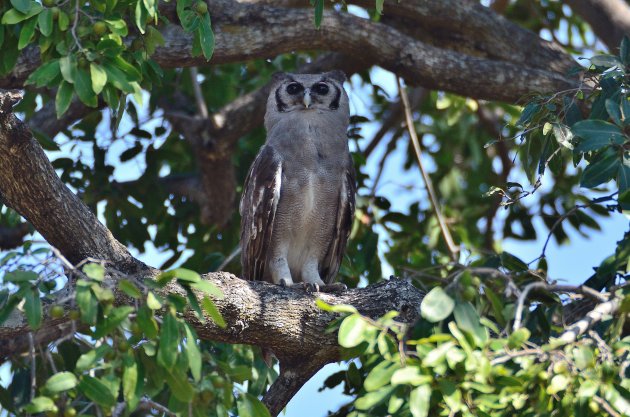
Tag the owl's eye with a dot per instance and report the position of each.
(321, 89)
(294, 88)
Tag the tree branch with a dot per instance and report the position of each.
(244, 32)
(609, 19)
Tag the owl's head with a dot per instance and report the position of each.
(310, 93)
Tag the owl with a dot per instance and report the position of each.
(298, 200)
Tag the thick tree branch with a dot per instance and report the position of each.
(29, 185)
(609, 19)
(285, 320)
(245, 32)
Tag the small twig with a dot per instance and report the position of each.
(592, 317)
(201, 103)
(606, 406)
(229, 258)
(119, 409)
(569, 213)
(452, 247)
(31, 345)
(578, 289)
(148, 404)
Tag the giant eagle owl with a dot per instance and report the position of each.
(298, 201)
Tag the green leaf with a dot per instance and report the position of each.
(192, 351)
(114, 318)
(420, 400)
(88, 359)
(88, 304)
(33, 307)
(130, 380)
(603, 168)
(338, 308)
(8, 308)
(529, 111)
(21, 276)
(624, 50)
(410, 375)
(436, 305)
(208, 288)
(467, 319)
(371, 399)
(152, 302)
(129, 288)
(379, 6)
(117, 26)
(206, 36)
(518, 337)
(63, 20)
(45, 21)
(352, 331)
(169, 339)
(45, 74)
(68, 67)
(181, 274)
(63, 98)
(250, 406)
(587, 389)
(623, 177)
(12, 16)
(213, 312)
(26, 34)
(22, 6)
(147, 322)
(96, 391)
(451, 395)
(380, 375)
(83, 88)
(605, 60)
(558, 383)
(98, 76)
(62, 381)
(319, 12)
(94, 271)
(596, 134)
(180, 387)
(40, 405)
(612, 106)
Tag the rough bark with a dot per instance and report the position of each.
(285, 320)
(253, 31)
(609, 19)
(30, 186)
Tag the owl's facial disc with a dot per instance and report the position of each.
(308, 94)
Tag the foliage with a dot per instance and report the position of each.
(466, 357)
(134, 352)
(471, 357)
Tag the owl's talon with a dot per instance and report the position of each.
(283, 283)
(311, 287)
(334, 288)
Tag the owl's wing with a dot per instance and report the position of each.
(345, 215)
(258, 211)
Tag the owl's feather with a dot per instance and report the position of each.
(258, 211)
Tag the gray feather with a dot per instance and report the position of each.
(299, 196)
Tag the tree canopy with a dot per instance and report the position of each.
(126, 131)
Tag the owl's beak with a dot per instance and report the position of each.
(307, 98)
